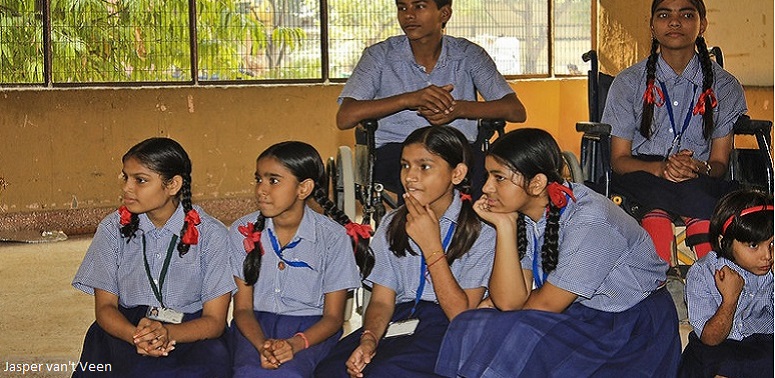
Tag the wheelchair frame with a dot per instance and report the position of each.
(596, 151)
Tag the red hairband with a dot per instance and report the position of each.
(746, 211)
(191, 235)
(126, 215)
(358, 231)
(557, 194)
(252, 236)
(700, 107)
(651, 94)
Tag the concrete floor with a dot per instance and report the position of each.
(42, 317)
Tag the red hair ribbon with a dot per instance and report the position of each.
(649, 96)
(557, 194)
(251, 237)
(126, 215)
(746, 211)
(358, 231)
(465, 197)
(191, 235)
(700, 107)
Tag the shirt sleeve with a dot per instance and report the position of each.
(364, 81)
(99, 269)
(489, 82)
(341, 272)
(477, 262)
(216, 265)
(619, 107)
(731, 103)
(701, 294)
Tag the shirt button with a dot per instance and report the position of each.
(675, 103)
(276, 290)
(158, 255)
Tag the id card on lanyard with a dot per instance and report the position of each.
(676, 144)
(407, 326)
(161, 314)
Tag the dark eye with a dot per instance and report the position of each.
(274, 181)
(404, 166)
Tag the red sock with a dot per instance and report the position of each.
(697, 236)
(660, 226)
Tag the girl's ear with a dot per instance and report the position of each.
(305, 188)
(703, 26)
(173, 186)
(537, 184)
(459, 173)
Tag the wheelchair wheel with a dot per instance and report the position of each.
(345, 182)
(572, 169)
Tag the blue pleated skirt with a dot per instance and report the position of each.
(750, 357)
(247, 362)
(206, 358)
(642, 341)
(397, 357)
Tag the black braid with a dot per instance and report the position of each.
(128, 231)
(185, 200)
(550, 249)
(651, 73)
(364, 256)
(521, 236)
(468, 226)
(707, 83)
(252, 264)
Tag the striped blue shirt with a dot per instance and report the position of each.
(388, 68)
(324, 245)
(754, 312)
(113, 265)
(624, 108)
(605, 256)
(402, 274)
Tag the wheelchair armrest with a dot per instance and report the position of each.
(364, 128)
(747, 126)
(593, 128)
(488, 127)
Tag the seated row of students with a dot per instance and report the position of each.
(433, 260)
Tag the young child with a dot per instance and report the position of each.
(730, 293)
(672, 118)
(433, 258)
(577, 280)
(293, 267)
(159, 273)
(424, 77)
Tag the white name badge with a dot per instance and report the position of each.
(402, 328)
(164, 315)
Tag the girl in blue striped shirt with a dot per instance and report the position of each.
(577, 281)
(729, 293)
(293, 267)
(159, 273)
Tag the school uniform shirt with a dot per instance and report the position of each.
(605, 257)
(323, 244)
(402, 274)
(624, 108)
(115, 264)
(388, 68)
(754, 313)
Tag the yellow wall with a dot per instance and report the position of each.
(60, 149)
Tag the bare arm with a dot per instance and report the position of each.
(209, 326)
(509, 286)
(328, 325)
(375, 322)
(244, 317)
(110, 319)
(729, 284)
(623, 162)
(352, 111)
(550, 298)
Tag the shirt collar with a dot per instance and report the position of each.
(453, 211)
(405, 49)
(173, 225)
(306, 228)
(692, 73)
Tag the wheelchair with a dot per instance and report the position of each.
(354, 190)
(751, 168)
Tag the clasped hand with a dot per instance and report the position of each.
(682, 166)
(275, 352)
(435, 104)
(151, 338)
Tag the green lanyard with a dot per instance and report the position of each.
(163, 274)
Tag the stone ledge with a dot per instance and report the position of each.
(85, 221)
